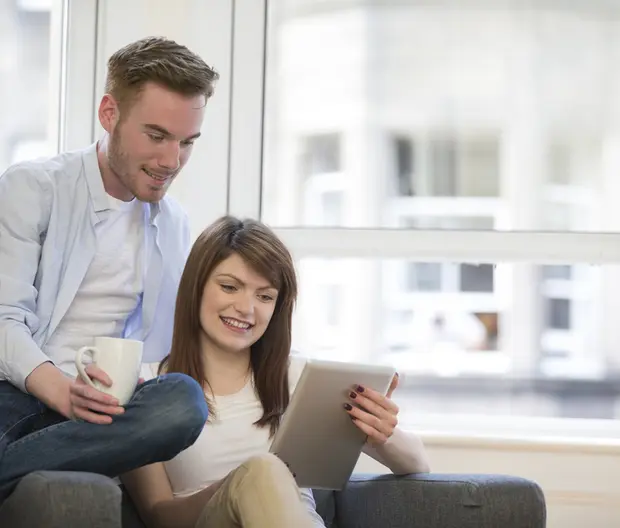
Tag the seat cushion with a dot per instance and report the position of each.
(63, 499)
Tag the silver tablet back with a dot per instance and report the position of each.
(317, 438)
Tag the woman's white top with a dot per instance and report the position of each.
(228, 439)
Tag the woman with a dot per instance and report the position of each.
(232, 333)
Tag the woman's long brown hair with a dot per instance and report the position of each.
(265, 253)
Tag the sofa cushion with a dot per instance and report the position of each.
(63, 499)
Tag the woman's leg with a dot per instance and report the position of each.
(261, 493)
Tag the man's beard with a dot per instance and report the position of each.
(117, 160)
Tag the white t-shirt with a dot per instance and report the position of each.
(110, 289)
(228, 440)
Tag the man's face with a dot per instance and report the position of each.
(152, 142)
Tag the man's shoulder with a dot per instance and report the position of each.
(45, 170)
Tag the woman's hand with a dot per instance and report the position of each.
(377, 415)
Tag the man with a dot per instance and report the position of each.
(90, 245)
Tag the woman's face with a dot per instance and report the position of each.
(237, 305)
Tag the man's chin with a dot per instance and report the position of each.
(151, 195)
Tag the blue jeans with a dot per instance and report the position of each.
(164, 417)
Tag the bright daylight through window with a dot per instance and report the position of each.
(30, 50)
(476, 116)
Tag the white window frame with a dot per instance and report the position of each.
(422, 245)
(77, 73)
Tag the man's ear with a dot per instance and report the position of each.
(109, 113)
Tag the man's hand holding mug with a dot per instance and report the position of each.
(103, 387)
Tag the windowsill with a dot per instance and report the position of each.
(584, 445)
(518, 433)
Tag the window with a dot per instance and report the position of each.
(403, 158)
(427, 101)
(558, 314)
(30, 59)
(321, 154)
(423, 276)
(476, 278)
(476, 339)
(477, 189)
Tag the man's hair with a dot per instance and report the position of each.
(160, 61)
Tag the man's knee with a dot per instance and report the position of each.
(173, 404)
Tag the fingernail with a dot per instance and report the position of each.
(360, 388)
(347, 406)
(352, 394)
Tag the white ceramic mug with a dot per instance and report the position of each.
(120, 359)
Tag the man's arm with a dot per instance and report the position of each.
(25, 207)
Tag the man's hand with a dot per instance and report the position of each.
(73, 398)
(91, 404)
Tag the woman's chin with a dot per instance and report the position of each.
(235, 345)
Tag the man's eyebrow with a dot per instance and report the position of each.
(237, 279)
(164, 132)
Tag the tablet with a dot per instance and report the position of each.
(316, 437)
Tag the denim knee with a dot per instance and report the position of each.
(176, 410)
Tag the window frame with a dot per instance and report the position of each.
(462, 246)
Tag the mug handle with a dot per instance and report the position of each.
(94, 354)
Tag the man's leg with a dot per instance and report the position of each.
(261, 493)
(164, 417)
(20, 415)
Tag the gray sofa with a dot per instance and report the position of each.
(80, 500)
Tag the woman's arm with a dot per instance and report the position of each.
(402, 453)
(377, 416)
(307, 498)
(151, 493)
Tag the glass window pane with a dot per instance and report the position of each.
(528, 346)
(508, 111)
(476, 278)
(29, 39)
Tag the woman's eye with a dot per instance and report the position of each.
(156, 139)
(266, 298)
(228, 288)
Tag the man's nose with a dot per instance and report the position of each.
(170, 157)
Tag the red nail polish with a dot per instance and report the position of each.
(352, 394)
(360, 388)
(347, 406)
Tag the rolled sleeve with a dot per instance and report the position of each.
(25, 205)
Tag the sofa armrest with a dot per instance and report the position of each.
(440, 501)
(63, 499)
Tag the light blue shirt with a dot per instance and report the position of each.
(48, 213)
